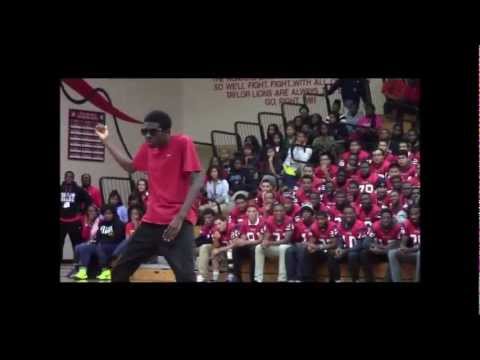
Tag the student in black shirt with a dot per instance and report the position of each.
(239, 178)
(72, 199)
(111, 231)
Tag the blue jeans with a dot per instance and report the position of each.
(104, 252)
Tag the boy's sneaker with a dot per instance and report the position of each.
(81, 274)
(200, 278)
(105, 275)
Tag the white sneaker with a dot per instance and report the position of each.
(291, 281)
(215, 275)
(200, 278)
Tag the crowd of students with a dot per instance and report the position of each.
(323, 191)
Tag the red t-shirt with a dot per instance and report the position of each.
(237, 216)
(169, 170)
(253, 231)
(322, 235)
(412, 231)
(130, 229)
(381, 169)
(370, 217)
(384, 235)
(351, 236)
(278, 231)
(332, 170)
(94, 193)
(302, 232)
(362, 155)
(86, 231)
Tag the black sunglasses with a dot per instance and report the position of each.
(152, 132)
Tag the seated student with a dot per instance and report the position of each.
(340, 181)
(328, 197)
(265, 186)
(115, 199)
(111, 231)
(383, 145)
(135, 214)
(353, 193)
(407, 170)
(93, 191)
(393, 172)
(325, 169)
(317, 183)
(324, 142)
(216, 190)
(251, 234)
(134, 200)
(367, 211)
(292, 209)
(351, 235)
(239, 213)
(370, 120)
(397, 207)
(407, 194)
(277, 144)
(253, 142)
(356, 149)
(222, 241)
(297, 155)
(409, 250)
(381, 198)
(268, 201)
(351, 167)
(278, 233)
(335, 213)
(290, 136)
(315, 198)
(319, 247)
(395, 183)
(206, 231)
(301, 233)
(226, 160)
(239, 178)
(386, 236)
(379, 165)
(271, 163)
(142, 191)
(303, 194)
(250, 158)
(366, 178)
(89, 229)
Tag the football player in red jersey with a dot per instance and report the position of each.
(340, 180)
(397, 207)
(409, 250)
(315, 201)
(355, 148)
(267, 210)
(325, 169)
(353, 193)
(336, 212)
(383, 145)
(366, 178)
(251, 234)
(239, 212)
(265, 186)
(328, 197)
(205, 236)
(407, 194)
(277, 238)
(316, 182)
(395, 183)
(301, 233)
(381, 196)
(351, 233)
(367, 211)
(292, 209)
(319, 247)
(386, 236)
(406, 168)
(303, 194)
(351, 167)
(416, 196)
(379, 165)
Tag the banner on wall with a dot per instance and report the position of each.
(83, 143)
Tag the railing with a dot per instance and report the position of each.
(244, 129)
(224, 139)
(267, 118)
(123, 185)
(291, 110)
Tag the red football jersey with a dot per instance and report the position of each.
(382, 235)
(332, 171)
(410, 171)
(302, 232)
(229, 234)
(412, 231)
(322, 235)
(367, 184)
(381, 169)
(253, 231)
(381, 203)
(370, 217)
(350, 237)
(278, 231)
(295, 212)
(390, 158)
(315, 183)
(237, 216)
(335, 214)
(207, 230)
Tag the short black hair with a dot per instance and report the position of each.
(355, 182)
(403, 153)
(110, 207)
(322, 213)
(307, 177)
(364, 162)
(115, 193)
(380, 182)
(386, 211)
(240, 196)
(69, 172)
(208, 211)
(383, 152)
(139, 208)
(161, 118)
